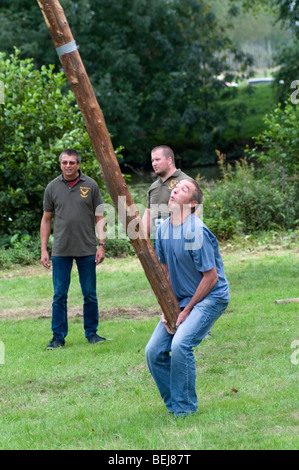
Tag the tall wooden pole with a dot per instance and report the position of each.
(96, 127)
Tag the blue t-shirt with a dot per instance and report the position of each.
(189, 250)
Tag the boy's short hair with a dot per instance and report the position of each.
(197, 194)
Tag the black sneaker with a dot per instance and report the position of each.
(56, 343)
(94, 338)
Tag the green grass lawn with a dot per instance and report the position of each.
(103, 397)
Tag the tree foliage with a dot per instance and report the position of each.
(153, 64)
(37, 121)
(278, 144)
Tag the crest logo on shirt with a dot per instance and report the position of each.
(84, 191)
(172, 184)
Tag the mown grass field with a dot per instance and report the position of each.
(102, 396)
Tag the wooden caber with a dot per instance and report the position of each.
(99, 136)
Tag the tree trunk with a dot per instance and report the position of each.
(101, 142)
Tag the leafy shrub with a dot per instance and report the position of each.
(21, 249)
(278, 143)
(38, 119)
(248, 200)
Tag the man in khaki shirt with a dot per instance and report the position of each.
(75, 202)
(157, 210)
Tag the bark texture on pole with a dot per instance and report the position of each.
(98, 133)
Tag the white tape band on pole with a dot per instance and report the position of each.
(67, 48)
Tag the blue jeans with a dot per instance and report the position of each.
(62, 267)
(171, 360)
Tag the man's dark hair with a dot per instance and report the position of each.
(197, 194)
